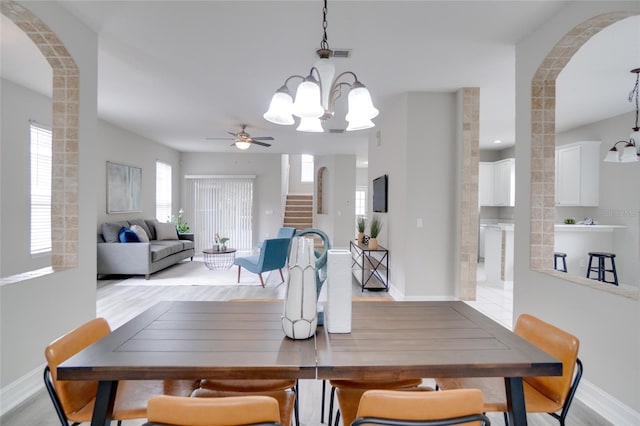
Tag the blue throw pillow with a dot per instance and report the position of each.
(126, 235)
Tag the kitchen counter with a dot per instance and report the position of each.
(561, 227)
(498, 252)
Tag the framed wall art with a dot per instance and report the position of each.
(124, 188)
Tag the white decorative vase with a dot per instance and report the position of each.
(300, 314)
(338, 308)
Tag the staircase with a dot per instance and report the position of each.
(298, 212)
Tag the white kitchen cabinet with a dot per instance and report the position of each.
(578, 174)
(485, 184)
(504, 177)
(496, 183)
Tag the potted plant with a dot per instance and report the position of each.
(222, 241)
(375, 227)
(361, 224)
(181, 225)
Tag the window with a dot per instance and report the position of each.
(361, 202)
(306, 168)
(163, 191)
(41, 160)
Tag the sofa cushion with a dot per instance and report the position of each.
(187, 244)
(166, 231)
(141, 223)
(151, 224)
(140, 232)
(126, 235)
(163, 248)
(111, 231)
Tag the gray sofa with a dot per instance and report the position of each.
(139, 258)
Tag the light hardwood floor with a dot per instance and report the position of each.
(120, 303)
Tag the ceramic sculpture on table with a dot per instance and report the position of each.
(300, 314)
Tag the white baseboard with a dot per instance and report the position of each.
(20, 390)
(606, 405)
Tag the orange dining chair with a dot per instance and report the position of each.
(400, 408)
(228, 411)
(74, 400)
(551, 394)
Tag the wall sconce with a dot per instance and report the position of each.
(630, 150)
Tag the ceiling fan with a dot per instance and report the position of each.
(243, 140)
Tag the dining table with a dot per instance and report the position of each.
(192, 340)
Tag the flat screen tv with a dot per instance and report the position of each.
(380, 194)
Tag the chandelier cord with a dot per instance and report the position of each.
(324, 44)
(634, 93)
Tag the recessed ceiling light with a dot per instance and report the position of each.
(497, 141)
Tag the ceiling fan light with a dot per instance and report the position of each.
(310, 125)
(307, 103)
(280, 108)
(612, 156)
(629, 154)
(242, 145)
(360, 104)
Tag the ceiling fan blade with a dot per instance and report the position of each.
(235, 135)
(219, 139)
(263, 138)
(259, 143)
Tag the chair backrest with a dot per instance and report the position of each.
(227, 411)
(421, 406)
(273, 254)
(557, 343)
(286, 232)
(74, 395)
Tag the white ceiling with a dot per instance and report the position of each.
(178, 72)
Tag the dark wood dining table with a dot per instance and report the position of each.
(191, 340)
(432, 339)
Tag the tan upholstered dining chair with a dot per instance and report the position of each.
(74, 400)
(401, 408)
(229, 411)
(552, 394)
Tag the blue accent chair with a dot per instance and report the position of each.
(273, 255)
(284, 232)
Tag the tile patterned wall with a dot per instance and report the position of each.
(470, 153)
(64, 196)
(543, 139)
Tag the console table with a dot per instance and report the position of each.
(370, 266)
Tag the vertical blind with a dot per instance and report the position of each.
(41, 160)
(222, 205)
(163, 191)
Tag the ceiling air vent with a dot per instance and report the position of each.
(341, 53)
(336, 130)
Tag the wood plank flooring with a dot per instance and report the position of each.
(120, 303)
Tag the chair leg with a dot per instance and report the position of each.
(281, 276)
(296, 406)
(239, 274)
(261, 280)
(331, 398)
(54, 398)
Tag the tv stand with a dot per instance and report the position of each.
(370, 267)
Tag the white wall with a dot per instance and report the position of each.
(19, 105)
(268, 212)
(123, 147)
(418, 151)
(36, 311)
(606, 324)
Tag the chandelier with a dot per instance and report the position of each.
(317, 93)
(630, 150)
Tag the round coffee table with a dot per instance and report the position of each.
(218, 260)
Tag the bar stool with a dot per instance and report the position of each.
(563, 257)
(600, 268)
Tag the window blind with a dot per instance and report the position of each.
(222, 205)
(163, 191)
(41, 161)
